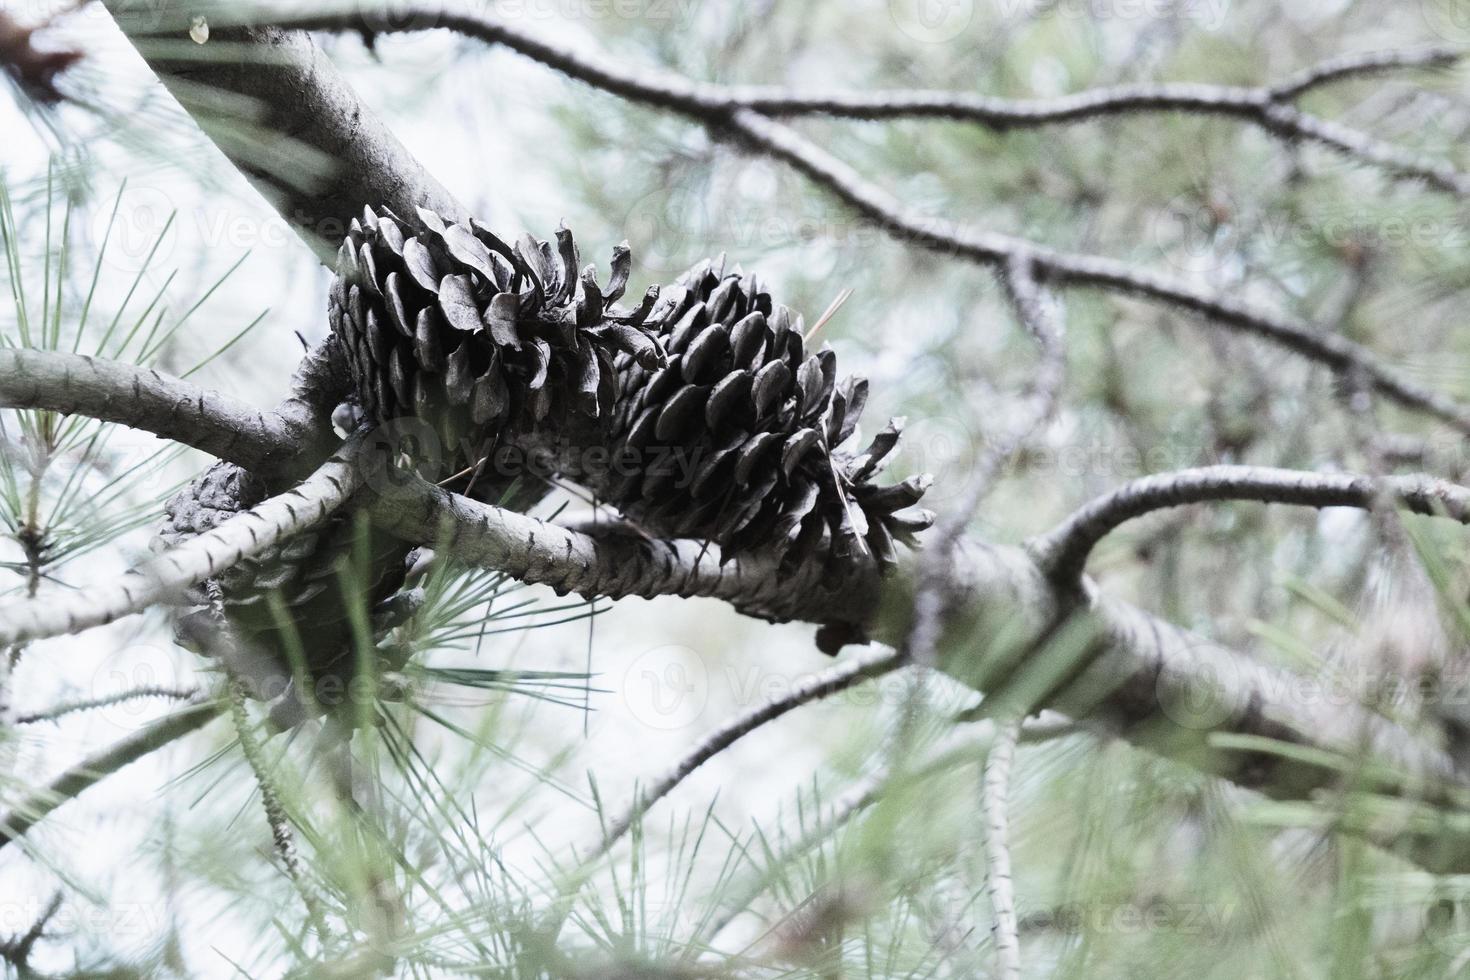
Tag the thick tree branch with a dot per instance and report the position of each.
(1131, 674)
(168, 575)
(271, 101)
(1063, 552)
(144, 399)
(1136, 676)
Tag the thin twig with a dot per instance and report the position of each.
(667, 90)
(834, 680)
(1039, 404)
(1365, 64)
(58, 711)
(40, 802)
(1063, 552)
(275, 812)
(961, 748)
(823, 685)
(995, 797)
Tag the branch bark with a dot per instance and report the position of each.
(728, 111)
(36, 806)
(260, 90)
(1265, 106)
(1063, 552)
(144, 399)
(166, 576)
(1127, 672)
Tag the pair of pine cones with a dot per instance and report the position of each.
(697, 412)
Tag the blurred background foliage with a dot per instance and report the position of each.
(1127, 866)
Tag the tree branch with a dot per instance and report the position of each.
(1063, 552)
(38, 804)
(1072, 269)
(832, 681)
(1366, 64)
(720, 111)
(1134, 673)
(141, 398)
(256, 90)
(1130, 673)
(995, 800)
(710, 101)
(58, 711)
(165, 576)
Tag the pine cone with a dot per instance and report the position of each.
(739, 435)
(488, 344)
(734, 440)
(303, 570)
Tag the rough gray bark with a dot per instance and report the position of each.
(216, 424)
(165, 577)
(282, 88)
